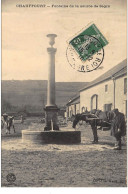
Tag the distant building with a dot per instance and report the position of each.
(62, 111)
(73, 106)
(107, 92)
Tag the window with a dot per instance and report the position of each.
(94, 102)
(75, 109)
(106, 88)
(125, 85)
(107, 107)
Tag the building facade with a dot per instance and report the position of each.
(105, 93)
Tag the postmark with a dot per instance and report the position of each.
(94, 57)
(11, 178)
(85, 51)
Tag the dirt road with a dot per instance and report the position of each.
(83, 165)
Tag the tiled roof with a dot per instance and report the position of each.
(74, 100)
(116, 71)
(77, 101)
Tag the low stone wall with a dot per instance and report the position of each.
(51, 137)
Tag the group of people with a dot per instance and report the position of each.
(7, 122)
(117, 125)
(116, 119)
(113, 120)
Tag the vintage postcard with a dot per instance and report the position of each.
(64, 93)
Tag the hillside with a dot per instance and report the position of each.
(34, 92)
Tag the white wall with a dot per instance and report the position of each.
(103, 97)
(120, 101)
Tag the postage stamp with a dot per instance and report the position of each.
(85, 45)
(85, 51)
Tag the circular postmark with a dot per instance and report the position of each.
(88, 56)
(11, 178)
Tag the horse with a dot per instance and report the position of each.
(94, 118)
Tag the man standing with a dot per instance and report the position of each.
(118, 127)
(10, 123)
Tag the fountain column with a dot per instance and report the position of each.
(51, 108)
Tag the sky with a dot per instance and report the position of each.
(24, 41)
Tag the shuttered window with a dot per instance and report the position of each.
(125, 85)
(107, 107)
(106, 88)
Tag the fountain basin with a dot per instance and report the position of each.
(51, 137)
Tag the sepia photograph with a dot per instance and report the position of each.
(64, 93)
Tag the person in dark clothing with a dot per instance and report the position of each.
(118, 127)
(10, 123)
(4, 120)
(5, 117)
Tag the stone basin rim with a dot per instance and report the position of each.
(32, 131)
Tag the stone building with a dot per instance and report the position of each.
(107, 92)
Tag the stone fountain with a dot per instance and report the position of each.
(51, 133)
